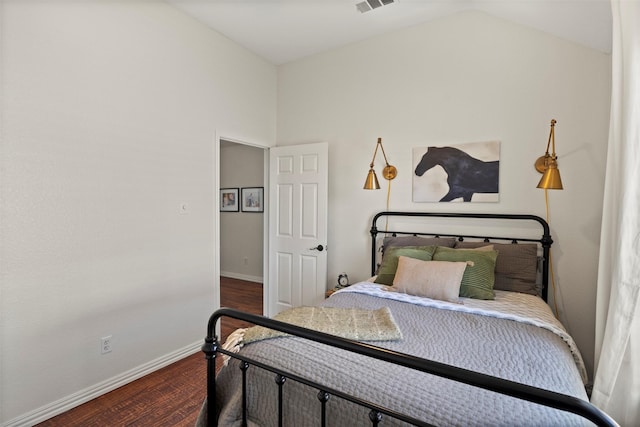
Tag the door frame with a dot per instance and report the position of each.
(216, 218)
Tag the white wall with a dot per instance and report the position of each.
(241, 233)
(466, 78)
(109, 114)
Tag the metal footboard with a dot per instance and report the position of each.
(212, 347)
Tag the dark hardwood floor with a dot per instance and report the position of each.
(171, 396)
(242, 295)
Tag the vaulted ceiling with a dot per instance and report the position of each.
(285, 30)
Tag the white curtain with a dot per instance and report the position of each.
(616, 388)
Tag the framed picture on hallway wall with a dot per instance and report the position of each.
(229, 201)
(253, 199)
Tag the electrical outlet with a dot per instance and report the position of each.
(105, 344)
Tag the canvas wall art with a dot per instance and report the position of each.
(457, 173)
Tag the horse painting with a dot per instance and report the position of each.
(466, 175)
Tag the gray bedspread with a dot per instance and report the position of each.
(505, 348)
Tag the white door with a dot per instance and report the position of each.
(298, 181)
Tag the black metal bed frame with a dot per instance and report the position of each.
(555, 400)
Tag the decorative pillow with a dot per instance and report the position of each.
(479, 276)
(390, 260)
(516, 266)
(432, 279)
(479, 248)
(387, 242)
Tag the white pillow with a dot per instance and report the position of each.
(432, 279)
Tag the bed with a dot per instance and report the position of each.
(478, 346)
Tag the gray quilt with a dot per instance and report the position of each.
(500, 347)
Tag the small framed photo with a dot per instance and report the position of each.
(253, 199)
(229, 200)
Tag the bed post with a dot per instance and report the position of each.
(210, 348)
(374, 233)
(546, 255)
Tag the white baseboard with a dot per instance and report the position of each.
(76, 399)
(241, 277)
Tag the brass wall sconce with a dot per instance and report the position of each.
(389, 172)
(548, 165)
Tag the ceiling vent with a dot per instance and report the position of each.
(368, 5)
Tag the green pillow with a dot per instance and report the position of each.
(389, 265)
(479, 278)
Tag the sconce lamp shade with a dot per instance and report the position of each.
(389, 172)
(372, 181)
(547, 165)
(551, 177)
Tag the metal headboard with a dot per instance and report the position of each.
(545, 240)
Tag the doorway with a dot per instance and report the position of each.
(241, 254)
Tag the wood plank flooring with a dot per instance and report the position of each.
(169, 397)
(241, 295)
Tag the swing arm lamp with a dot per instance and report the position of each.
(547, 165)
(389, 172)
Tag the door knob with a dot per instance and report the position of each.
(318, 248)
